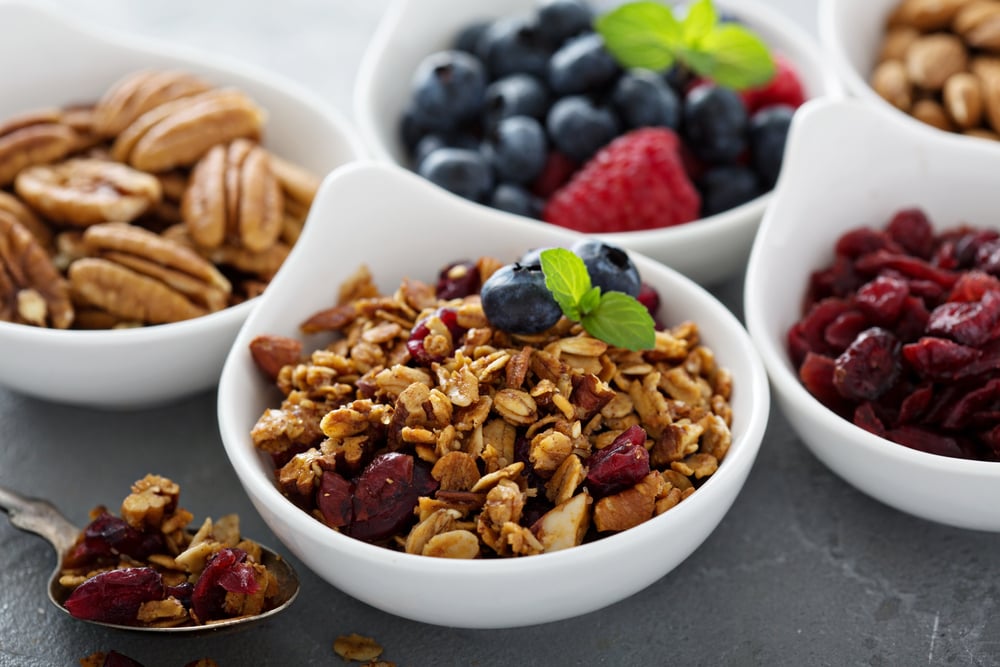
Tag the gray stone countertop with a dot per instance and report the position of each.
(804, 569)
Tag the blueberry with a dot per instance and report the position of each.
(511, 45)
(644, 98)
(679, 77)
(581, 65)
(579, 128)
(411, 130)
(514, 198)
(533, 257)
(726, 187)
(715, 123)
(768, 131)
(516, 300)
(433, 141)
(468, 36)
(459, 170)
(517, 149)
(515, 95)
(559, 20)
(448, 88)
(609, 266)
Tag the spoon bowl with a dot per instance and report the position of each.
(34, 515)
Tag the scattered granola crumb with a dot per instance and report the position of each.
(358, 648)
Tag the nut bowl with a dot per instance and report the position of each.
(816, 202)
(125, 368)
(379, 215)
(852, 34)
(709, 250)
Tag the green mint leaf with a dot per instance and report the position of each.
(641, 34)
(567, 278)
(700, 19)
(590, 300)
(731, 56)
(621, 321)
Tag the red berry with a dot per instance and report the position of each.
(557, 171)
(783, 88)
(636, 182)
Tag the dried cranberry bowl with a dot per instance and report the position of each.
(709, 250)
(900, 344)
(76, 63)
(379, 215)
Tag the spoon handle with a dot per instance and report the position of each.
(39, 517)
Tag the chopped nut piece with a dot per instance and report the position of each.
(357, 647)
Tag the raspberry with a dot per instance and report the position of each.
(783, 88)
(635, 182)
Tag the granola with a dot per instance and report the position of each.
(499, 445)
(158, 571)
(167, 156)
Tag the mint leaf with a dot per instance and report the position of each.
(621, 321)
(732, 56)
(700, 19)
(649, 35)
(614, 317)
(640, 34)
(567, 278)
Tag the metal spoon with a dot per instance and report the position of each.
(42, 518)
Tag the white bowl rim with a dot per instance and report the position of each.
(250, 469)
(774, 354)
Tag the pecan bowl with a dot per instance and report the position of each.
(906, 167)
(390, 235)
(136, 366)
(708, 250)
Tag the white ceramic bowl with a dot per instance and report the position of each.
(380, 215)
(72, 63)
(709, 250)
(851, 33)
(818, 200)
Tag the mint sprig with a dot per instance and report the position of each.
(614, 317)
(650, 35)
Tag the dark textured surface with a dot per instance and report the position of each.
(804, 570)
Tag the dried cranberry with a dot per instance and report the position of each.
(838, 280)
(182, 592)
(386, 493)
(926, 440)
(916, 404)
(808, 334)
(458, 280)
(912, 267)
(620, 465)
(816, 374)
(969, 243)
(649, 297)
(843, 330)
(423, 328)
(963, 411)
(116, 595)
(107, 536)
(968, 322)
(941, 359)
(972, 286)
(912, 320)
(864, 240)
(866, 417)
(988, 257)
(335, 499)
(881, 300)
(869, 366)
(116, 659)
(911, 229)
(227, 571)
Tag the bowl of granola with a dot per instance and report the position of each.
(409, 450)
(549, 123)
(874, 297)
(148, 193)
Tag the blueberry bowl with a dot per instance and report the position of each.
(119, 368)
(710, 248)
(947, 471)
(358, 208)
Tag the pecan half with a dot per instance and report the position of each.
(32, 291)
(138, 275)
(37, 137)
(139, 92)
(83, 191)
(178, 133)
(234, 194)
(15, 207)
